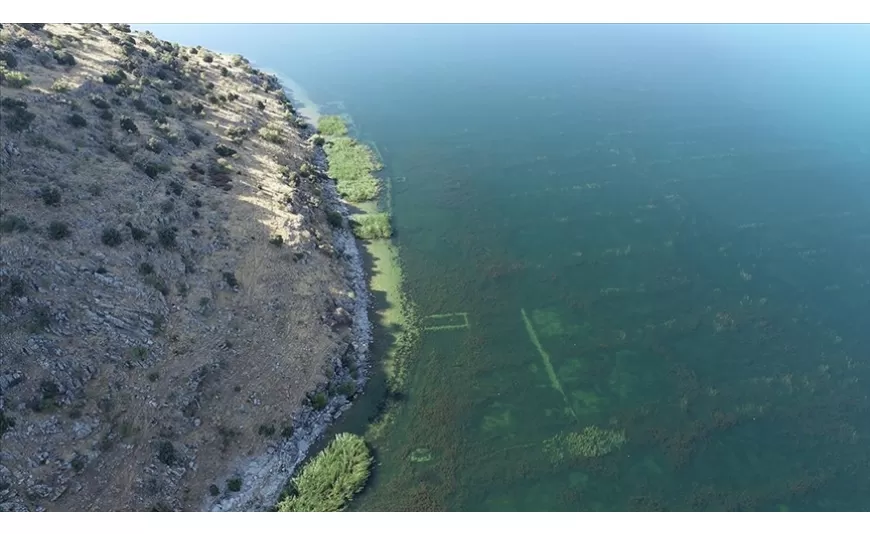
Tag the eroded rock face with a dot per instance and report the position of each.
(153, 342)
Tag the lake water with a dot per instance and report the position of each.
(647, 242)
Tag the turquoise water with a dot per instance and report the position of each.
(662, 232)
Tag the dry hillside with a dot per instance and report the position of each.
(179, 296)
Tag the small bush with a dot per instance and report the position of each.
(197, 107)
(237, 134)
(137, 233)
(22, 43)
(13, 223)
(124, 90)
(65, 58)
(7, 423)
(266, 430)
(276, 240)
(318, 400)
(261, 105)
(99, 102)
(224, 151)
(318, 140)
(61, 86)
(208, 58)
(50, 196)
(225, 71)
(77, 121)
(334, 218)
(273, 134)
(213, 490)
(164, 99)
(234, 484)
(166, 453)
(195, 138)
(154, 145)
(166, 236)
(372, 226)
(128, 125)
(105, 115)
(15, 79)
(112, 237)
(332, 478)
(9, 58)
(230, 279)
(58, 230)
(114, 77)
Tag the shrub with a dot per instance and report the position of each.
(77, 121)
(128, 125)
(15, 79)
(334, 218)
(114, 77)
(234, 484)
(261, 105)
(13, 223)
(19, 118)
(197, 107)
(22, 43)
(276, 240)
(50, 196)
(273, 134)
(224, 151)
(7, 423)
(195, 138)
(232, 97)
(58, 230)
(166, 236)
(61, 86)
(332, 478)
(230, 279)
(318, 140)
(225, 71)
(318, 400)
(208, 58)
(65, 58)
(152, 169)
(105, 115)
(9, 58)
(99, 102)
(213, 490)
(112, 237)
(153, 144)
(166, 453)
(123, 90)
(164, 99)
(137, 233)
(266, 430)
(237, 133)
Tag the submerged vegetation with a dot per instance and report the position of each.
(591, 442)
(332, 478)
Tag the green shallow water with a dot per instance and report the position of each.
(661, 233)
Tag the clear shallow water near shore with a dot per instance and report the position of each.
(662, 232)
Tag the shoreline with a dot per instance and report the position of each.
(266, 476)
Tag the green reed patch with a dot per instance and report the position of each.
(372, 226)
(332, 125)
(332, 478)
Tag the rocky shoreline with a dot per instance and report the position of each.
(265, 477)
